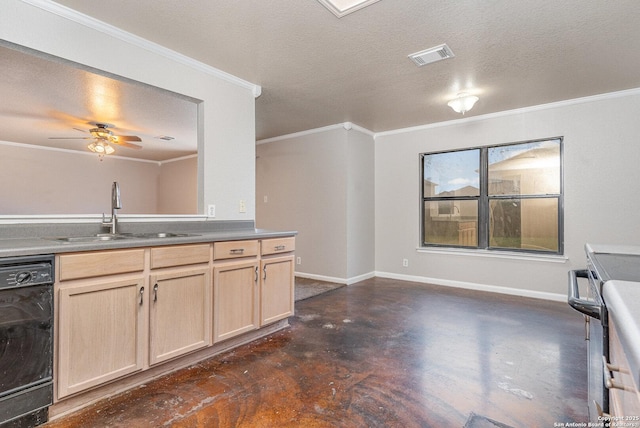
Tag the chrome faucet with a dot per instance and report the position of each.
(116, 204)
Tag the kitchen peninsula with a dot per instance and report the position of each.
(154, 298)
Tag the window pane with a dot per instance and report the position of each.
(528, 224)
(452, 222)
(525, 169)
(452, 173)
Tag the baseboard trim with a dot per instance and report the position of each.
(346, 281)
(542, 295)
(477, 287)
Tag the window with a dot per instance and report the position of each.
(506, 197)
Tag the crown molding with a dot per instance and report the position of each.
(132, 39)
(348, 126)
(557, 104)
(87, 153)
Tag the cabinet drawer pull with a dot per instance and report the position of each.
(155, 293)
(279, 247)
(141, 294)
(236, 251)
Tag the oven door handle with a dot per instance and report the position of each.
(584, 306)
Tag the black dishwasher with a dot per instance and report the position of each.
(26, 340)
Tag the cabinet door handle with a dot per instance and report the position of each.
(256, 274)
(141, 294)
(279, 247)
(155, 292)
(264, 269)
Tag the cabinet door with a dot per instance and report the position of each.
(180, 313)
(100, 327)
(277, 289)
(235, 299)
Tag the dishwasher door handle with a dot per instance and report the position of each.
(583, 306)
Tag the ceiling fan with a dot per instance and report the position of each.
(103, 137)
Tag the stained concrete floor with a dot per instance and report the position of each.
(306, 288)
(380, 353)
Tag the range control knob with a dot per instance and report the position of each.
(23, 277)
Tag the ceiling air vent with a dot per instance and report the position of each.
(431, 55)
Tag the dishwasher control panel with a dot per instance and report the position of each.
(23, 275)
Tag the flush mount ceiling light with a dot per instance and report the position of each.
(463, 102)
(341, 8)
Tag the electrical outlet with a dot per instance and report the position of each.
(211, 211)
(299, 261)
(405, 262)
(266, 199)
(243, 206)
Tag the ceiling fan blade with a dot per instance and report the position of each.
(70, 138)
(128, 145)
(129, 138)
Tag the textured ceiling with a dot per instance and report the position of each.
(316, 69)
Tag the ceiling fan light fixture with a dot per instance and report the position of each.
(463, 102)
(101, 148)
(101, 133)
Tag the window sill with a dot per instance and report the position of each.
(550, 258)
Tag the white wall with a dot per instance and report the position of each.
(226, 114)
(177, 184)
(360, 205)
(317, 183)
(601, 177)
(321, 184)
(38, 181)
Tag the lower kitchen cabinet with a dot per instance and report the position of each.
(276, 289)
(100, 330)
(113, 325)
(124, 312)
(624, 395)
(235, 297)
(180, 313)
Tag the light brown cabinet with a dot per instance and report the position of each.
(100, 326)
(624, 396)
(113, 325)
(128, 313)
(235, 288)
(276, 289)
(235, 299)
(179, 301)
(277, 279)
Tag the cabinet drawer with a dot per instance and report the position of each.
(100, 263)
(624, 396)
(278, 245)
(235, 249)
(179, 255)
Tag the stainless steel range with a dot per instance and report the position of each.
(604, 263)
(26, 340)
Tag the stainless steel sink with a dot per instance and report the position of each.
(161, 235)
(91, 238)
(114, 237)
